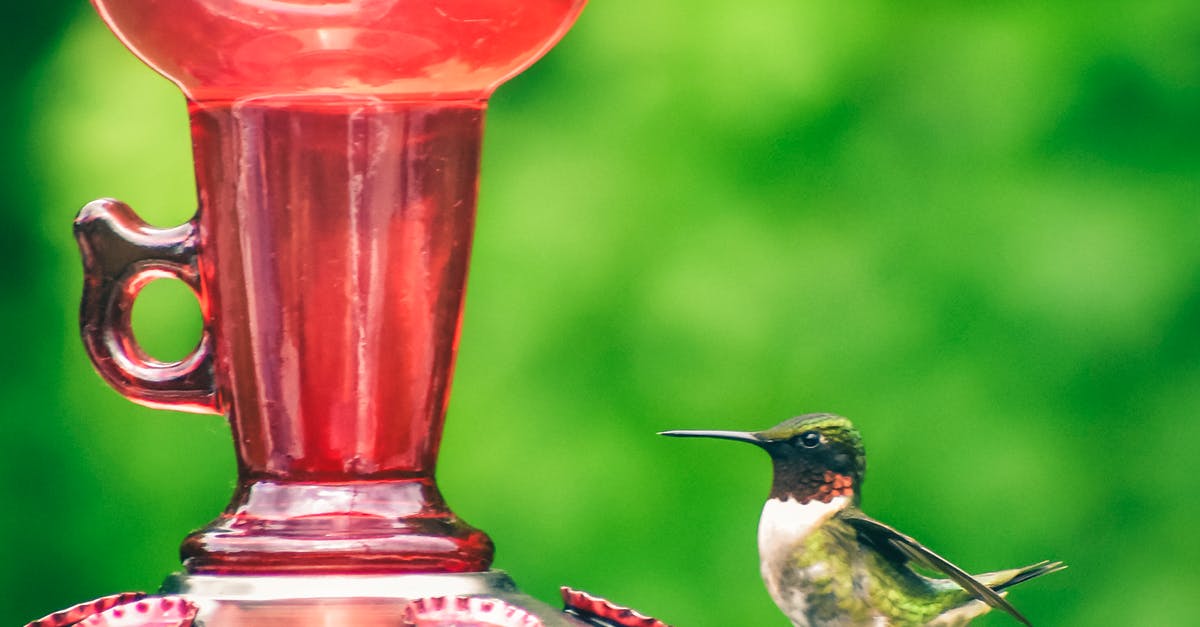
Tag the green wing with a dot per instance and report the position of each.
(900, 549)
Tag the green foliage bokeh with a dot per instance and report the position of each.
(974, 230)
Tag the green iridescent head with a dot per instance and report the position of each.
(828, 434)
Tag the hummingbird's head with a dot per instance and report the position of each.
(815, 456)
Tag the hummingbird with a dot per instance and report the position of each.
(826, 563)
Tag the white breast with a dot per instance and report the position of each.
(785, 523)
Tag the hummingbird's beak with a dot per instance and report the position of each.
(740, 436)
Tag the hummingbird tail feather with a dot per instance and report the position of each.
(1009, 578)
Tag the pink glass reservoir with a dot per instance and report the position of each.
(335, 239)
(337, 149)
(335, 236)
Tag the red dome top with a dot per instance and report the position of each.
(414, 49)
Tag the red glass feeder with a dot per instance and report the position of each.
(337, 148)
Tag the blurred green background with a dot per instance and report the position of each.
(975, 231)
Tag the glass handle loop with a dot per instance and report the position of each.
(121, 255)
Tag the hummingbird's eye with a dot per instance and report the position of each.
(809, 439)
